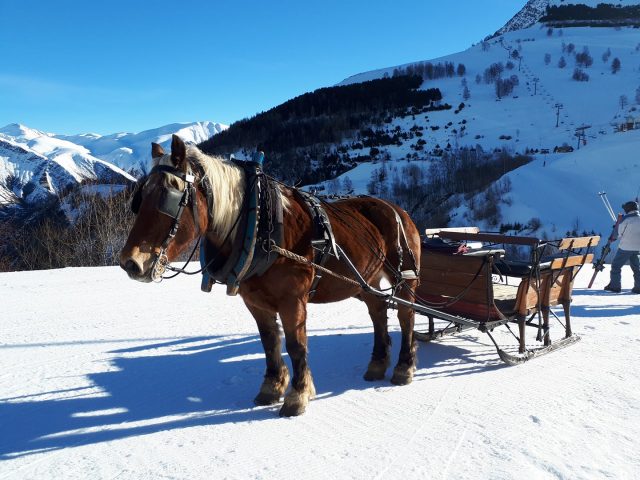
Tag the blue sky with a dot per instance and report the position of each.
(75, 66)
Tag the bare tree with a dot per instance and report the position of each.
(347, 185)
(623, 101)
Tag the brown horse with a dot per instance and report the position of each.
(368, 230)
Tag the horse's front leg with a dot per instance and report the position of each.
(294, 317)
(276, 377)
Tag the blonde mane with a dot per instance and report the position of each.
(228, 188)
(227, 184)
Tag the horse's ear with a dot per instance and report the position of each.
(156, 150)
(178, 151)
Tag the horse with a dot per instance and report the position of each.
(369, 231)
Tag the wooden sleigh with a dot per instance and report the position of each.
(481, 288)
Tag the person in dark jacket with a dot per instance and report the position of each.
(628, 232)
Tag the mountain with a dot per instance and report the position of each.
(528, 16)
(535, 10)
(131, 151)
(569, 97)
(36, 166)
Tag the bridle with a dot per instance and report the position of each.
(172, 204)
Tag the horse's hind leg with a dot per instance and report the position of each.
(294, 316)
(381, 340)
(403, 371)
(276, 377)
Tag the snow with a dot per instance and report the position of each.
(132, 151)
(562, 189)
(557, 195)
(104, 377)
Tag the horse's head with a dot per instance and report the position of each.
(166, 220)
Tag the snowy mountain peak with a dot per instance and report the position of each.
(534, 10)
(35, 164)
(529, 15)
(21, 132)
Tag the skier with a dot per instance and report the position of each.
(628, 231)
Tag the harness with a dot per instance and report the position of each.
(259, 230)
(260, 225)
(323, 240)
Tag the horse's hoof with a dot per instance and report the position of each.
(370, 376)
(273, 388)
(375, 371)
(402, 375)
(264, 398)
(292, 410)
(295, 403)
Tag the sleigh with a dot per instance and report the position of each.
(484, 287)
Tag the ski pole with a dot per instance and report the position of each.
(607, 205)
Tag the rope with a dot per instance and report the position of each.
(298, 258)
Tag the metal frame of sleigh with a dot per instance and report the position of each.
(483, 288)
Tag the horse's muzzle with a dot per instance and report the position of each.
(135, 271)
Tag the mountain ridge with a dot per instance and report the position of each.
(35, 165)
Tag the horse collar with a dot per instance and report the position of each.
(259, 223)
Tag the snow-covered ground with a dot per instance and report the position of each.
(107, 378)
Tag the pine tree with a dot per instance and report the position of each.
(615, 65)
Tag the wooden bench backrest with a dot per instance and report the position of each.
(578, 242)
(571, 261)
(556, 282)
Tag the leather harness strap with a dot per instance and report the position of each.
(260, 224)
(323, 240)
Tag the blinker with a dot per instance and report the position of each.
(170, 201)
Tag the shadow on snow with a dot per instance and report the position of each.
(200, 381)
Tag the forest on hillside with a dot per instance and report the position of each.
(299, 136)
(601, 12)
